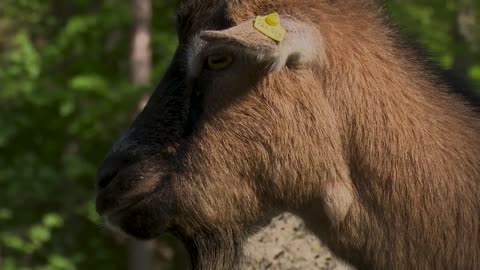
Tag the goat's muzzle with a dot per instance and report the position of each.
(131, 197)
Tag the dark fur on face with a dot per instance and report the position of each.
(340, 123)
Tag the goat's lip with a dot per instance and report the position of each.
(125, 190)
(141, 219)
(112, 200)
(107, 205)
(144, 215)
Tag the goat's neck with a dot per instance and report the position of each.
(411, 147)
(398, 120)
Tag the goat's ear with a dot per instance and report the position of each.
(298, 48)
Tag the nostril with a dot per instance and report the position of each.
(112, 165)
(105, 177)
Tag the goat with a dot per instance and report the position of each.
(339, 123)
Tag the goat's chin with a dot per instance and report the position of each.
(141, 221)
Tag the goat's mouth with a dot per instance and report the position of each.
(136, 203)
(140, 219)
(108, 205)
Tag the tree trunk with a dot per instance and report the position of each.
(140, 254)
(141, 54)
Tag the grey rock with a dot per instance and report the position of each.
(285, 244)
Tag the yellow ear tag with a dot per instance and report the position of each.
(270, 26)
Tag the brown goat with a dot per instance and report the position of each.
(340, 123)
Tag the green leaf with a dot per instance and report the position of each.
(57, 262)
(475, 73)
(66, 108)
(5, 214)
(39, 234)
(88, 210)
(13, 241)
(52, 221)
(89, 83)
(8, 263)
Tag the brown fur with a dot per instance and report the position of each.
(366, 144)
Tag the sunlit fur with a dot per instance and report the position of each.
(370, 147)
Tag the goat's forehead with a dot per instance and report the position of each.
(197, 15)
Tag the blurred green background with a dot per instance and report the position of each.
(67, 92)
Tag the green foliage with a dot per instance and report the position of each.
(65, 96)
(435, 24)
(63, 100)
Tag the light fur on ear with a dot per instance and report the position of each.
(300, 46)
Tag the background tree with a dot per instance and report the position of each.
(140, 254)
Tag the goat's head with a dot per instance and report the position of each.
(237, 131)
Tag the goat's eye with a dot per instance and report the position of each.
(218, 62)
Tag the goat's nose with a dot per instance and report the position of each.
(110, 167)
